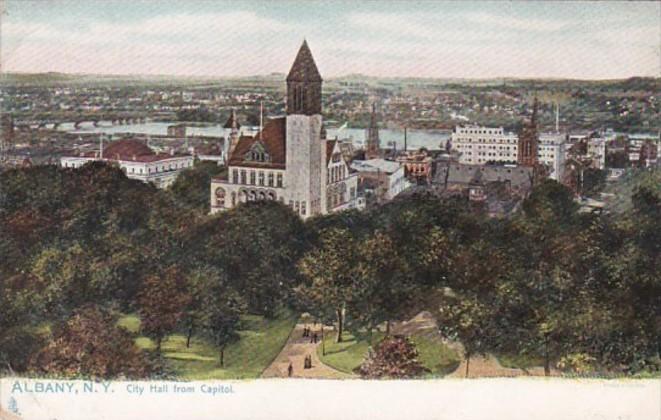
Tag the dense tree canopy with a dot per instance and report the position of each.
(577, 291)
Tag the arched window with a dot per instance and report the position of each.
(220, 197)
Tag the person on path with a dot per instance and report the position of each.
(290, 370)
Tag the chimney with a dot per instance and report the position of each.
(405, 141)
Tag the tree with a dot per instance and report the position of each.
(330, 272)
(258, 245)
(161, 304)
(395, 357)
(469, 309)
(383, 287)
(469, 320)
(192, 185)
(223, 318)
(89, 344)
(542, 292)
(65, 275)
(21, 307)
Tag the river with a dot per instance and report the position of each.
(430, 139)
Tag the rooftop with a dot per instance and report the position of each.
(373, 165)
(304, 68)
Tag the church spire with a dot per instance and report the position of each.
(304, 84)
(528, 147)
(373, 149)
(232, 121)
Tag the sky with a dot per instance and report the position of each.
(580, 40)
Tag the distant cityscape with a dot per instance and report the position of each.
(423, 125)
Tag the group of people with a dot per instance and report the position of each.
(307, 332)
(307, 364)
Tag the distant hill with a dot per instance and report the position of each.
(649, 84)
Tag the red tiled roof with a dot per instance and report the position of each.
(274, 138)
(126, 149)
(131, 150)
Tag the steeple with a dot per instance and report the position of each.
(373, 143)
(529, 140)
(233, 138)
(304, 84)
(232, 121)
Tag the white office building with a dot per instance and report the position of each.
(479, 145)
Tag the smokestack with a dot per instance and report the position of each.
(405, 141)
(557, 117)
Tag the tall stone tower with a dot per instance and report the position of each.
(303, 145)
(529, 141)
(373, 144)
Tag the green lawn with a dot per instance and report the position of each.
(349, 354)
(261, 341)
(435, 355)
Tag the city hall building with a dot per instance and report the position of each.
(289, 159)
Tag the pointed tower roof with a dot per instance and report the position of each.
(232, 121)
(533, 118)
(304, 68)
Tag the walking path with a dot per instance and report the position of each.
(298, 347)
(480, 366)
(295, 351)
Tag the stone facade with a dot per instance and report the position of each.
(289, 160)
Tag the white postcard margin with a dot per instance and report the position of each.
(443, 399)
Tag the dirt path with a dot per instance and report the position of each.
(295, 351)
(480, 366)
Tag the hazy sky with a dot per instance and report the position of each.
(379, 38)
